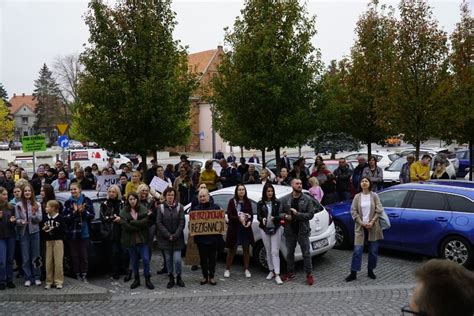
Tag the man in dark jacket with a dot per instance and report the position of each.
(285, 162)
(343, 180)
(219, 155)
(231, 158)
(251, 176)
(298, 210)
(40, 179)
(357, 174)
(228, 175)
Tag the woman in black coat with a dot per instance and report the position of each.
(239, 232)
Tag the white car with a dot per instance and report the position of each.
(391, 173)
(467, 175)
(432, 152)
(384, 157)
(323, 233)
(259, 167)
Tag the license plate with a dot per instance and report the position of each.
(319, 244)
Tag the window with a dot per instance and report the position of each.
(24, 119)
(222, 200)
(428, 201)
(460, 204)
(393, 198)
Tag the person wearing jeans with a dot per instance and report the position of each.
(28, 216)
(366, 210)
(134, 221)
(269, 217)
(7, 240)
(170, 223)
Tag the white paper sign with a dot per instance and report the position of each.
(104, 182)
(158, 184)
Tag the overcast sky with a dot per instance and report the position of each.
(33, 32)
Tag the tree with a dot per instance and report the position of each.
(3, 93)
(6, 124)
(49, 111)
(372, 58)
(457, 91)
(66, 71)
(135, 88)
(331, 130)
(266, 93)
(420, 68)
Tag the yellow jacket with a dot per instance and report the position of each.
(209, 177)
(131, 187)
(419, 172)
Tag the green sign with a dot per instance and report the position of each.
(33, 143)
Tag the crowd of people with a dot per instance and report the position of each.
(134, 215)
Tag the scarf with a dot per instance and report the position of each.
(79, 200)
(62, 184)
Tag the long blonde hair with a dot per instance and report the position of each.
(117, 191)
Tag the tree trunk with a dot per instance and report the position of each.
(333, 155)
(144, 166)
(471, 152)
(263, 157)
(417, 150)
(155, 156)
(242, 152)
(299, 151)
(278, 160)
(369, 150)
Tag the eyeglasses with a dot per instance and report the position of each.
(407, 311)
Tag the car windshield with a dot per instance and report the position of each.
(393, 157)
(397, 164)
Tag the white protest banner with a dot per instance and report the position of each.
(158, 184)
(104, 182)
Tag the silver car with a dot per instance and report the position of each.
(323, 233)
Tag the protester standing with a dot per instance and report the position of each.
(7, 240)
(366, 210)
(269, 217)
(374, 173)
(54, 229)
(170, 225)
(239, 231)
(343, 176)
(405, 171)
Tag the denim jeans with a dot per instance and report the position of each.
(142, 250)
(7, 251)
(173, 257)
(303, 241)
(30, 252)
(357, 256)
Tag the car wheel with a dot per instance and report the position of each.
(260, 256)
(458, 250)
(342, 237)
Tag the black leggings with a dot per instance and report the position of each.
(208, 257)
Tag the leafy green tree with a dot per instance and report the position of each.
(6, 123)
(420, 69)
(3, 93)
(372, 58)
(49, 110)
(266, 93)
(135, 89)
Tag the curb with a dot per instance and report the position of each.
(73, 291)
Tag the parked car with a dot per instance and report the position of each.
(74, 144)
(466, 177)
(201, 162)
(90, 144)
(384, 158)
(97, 253)
(463, 156)
(272, 163)
(432, 218)
(332, 165)
(393, 141)
(391, 173)
(433, 152)
(259, 167)
(322, 237)
(15, 145)
(4, 145)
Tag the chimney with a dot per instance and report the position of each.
(23, 94)
(219, 47)
(14, 94)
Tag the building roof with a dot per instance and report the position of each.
(198, 62)
(17, 101)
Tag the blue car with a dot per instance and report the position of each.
(434, 219)
(463, 156)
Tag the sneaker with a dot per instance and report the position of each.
(84, 278)
(351, 277)
(47, 286)
(11, 285)
(270, 275)
(371, 275)
(309, 279)
(59, 286)
(278, 280)
(288, 276)
(37, 282)
(226, 274)
(247, 274)
(27, 283)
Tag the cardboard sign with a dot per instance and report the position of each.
(33, 143)
(158, 184)
(104, 182)
(210, 222)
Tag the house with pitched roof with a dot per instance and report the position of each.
(204, 64)
(22, 110)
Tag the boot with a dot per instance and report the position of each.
(179, 281)
(135, 283)
(128, 277)
(164, 270)
(171, 282)
(148, 283)
(351, 277)
(371, 274)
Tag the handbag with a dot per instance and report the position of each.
(384, 221)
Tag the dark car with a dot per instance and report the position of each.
(434, 219)
(16, 145)
(97, 254)
(463, 156)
